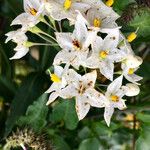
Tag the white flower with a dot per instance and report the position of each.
(74, 45)
(105, 53)
(82, 88)
(129, 74)
(129, 65)
(132, 89)
(98, 19)
(33, 9)
(20, 39)
(114, 94)
(66, 9)
(59, 82)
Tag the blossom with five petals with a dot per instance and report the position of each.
(82, 88)
(105, 53)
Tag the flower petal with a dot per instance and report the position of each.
(115, 85)
(107, 69)
(108, 114)
(82, 108)
(52, 97)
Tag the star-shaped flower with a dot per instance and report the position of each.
(20, 39)
(114, 94)
(74, 45)
(59, 82)
(105, 53)
(82, 88)
(33, 9)
(67, 8)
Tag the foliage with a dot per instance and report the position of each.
(23, 82)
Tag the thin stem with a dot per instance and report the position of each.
(49, 25)
(53, 23)
(44, 38)
(60, 27)
(46, 44)
(49, 36)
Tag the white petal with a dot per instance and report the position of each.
(96, 99)
(107, 69)
(108, 114)
(112, 39)
(64, 40)
(89, 78)
(82, 108)
(80, 32)
(54, 87)
(58, 70)
(20, 53)
(69, 92)
(133, 78)
(132, 89)
(52, 97)
(121, 104)
(115, 85)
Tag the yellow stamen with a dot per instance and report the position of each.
(114, 98)
(97, 22)
(67, 4)
(131, 71)
(131, 37)
(109, 3)
(103, 54)
(55, 78)
(33, 11)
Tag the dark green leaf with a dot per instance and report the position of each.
(60, 143)
(90, 144)
(30, 90)
(65, 111)
(36, 114)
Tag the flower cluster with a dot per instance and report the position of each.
(95, 50)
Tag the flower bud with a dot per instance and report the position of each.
(132, 89)
(133, 61)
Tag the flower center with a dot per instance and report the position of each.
(109, 3)
(76, 44)
(67, 4)
(103, 54)
(33, 11)
(131, 71)
(97, 22)
(55, 78)
(114, 98)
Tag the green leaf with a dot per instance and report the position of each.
(142, 21)
(30, 90)
(89, 144)
(36, 114)
(65, 111)
(60, 143)
(143, 142)
(143, 117)
(120, 5)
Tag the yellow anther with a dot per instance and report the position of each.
(132, 36)
(33, 11)
(114, 98)
(55, 78)
(97, 22)
(131, 71)
(109, 3)
(67, 4)
(103, 54)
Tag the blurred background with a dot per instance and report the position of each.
(23, 82)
